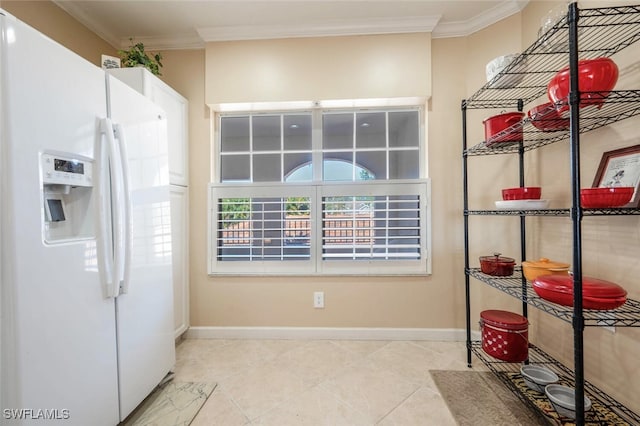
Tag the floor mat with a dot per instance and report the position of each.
(171, 404)
(479, 398)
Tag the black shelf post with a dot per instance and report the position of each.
(465, 207)
(576, 212)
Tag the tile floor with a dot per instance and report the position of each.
(320, 382)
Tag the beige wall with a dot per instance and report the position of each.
(611, 245)
(321, 68)
(49, 19)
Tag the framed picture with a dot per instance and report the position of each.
(109, 62)
(620, 167)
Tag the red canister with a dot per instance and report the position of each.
(505, 335)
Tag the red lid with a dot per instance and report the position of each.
(591, 287)
(504, 319)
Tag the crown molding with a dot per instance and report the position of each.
(174, 42)
(332, 28)
(479, 22)
(325, 29)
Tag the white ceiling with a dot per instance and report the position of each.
(179, 24)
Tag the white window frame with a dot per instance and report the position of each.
(316, 190)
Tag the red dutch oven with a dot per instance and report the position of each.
(596, 293)
(496, 124)
(497, 265)
(505, 335)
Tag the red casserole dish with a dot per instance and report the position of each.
(596, 294)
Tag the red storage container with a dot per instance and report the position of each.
(505, 335)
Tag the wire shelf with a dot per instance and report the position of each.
(617, 105)
(602, 32)
(628, 315)
(556, 212)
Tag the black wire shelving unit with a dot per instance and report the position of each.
(583, 34)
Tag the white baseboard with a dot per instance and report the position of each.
(329, 333)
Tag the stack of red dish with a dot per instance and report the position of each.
(596, 293)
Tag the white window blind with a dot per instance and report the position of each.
(320, 229)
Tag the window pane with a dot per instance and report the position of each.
(371, 131)
(264, 229)
(404, 129)
(297, 167)
(235, 168)
(338, 166)
(337, 131)
(266, 168)
(266, 133)
(404, 164)
(373, 165)
(234, 134)
(297, 132)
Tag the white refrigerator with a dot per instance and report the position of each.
(86, 304)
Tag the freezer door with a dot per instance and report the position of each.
(58, 356)
(144, 308)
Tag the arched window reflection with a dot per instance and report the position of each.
(334, 170)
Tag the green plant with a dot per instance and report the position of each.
(136, 55)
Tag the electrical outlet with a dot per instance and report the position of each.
(318, 299)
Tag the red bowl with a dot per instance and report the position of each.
(546, 117)
(523, 193)
(600, 198)
(594, 75)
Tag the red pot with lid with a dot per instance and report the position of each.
(497, 265)
(596, 293)
(505, 335)
(495, 125)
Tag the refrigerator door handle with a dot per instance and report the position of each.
(124, 253)
(104, 237)
(118, 209)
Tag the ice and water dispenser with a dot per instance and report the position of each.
(67, 184)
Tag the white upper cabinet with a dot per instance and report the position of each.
(176, 107)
